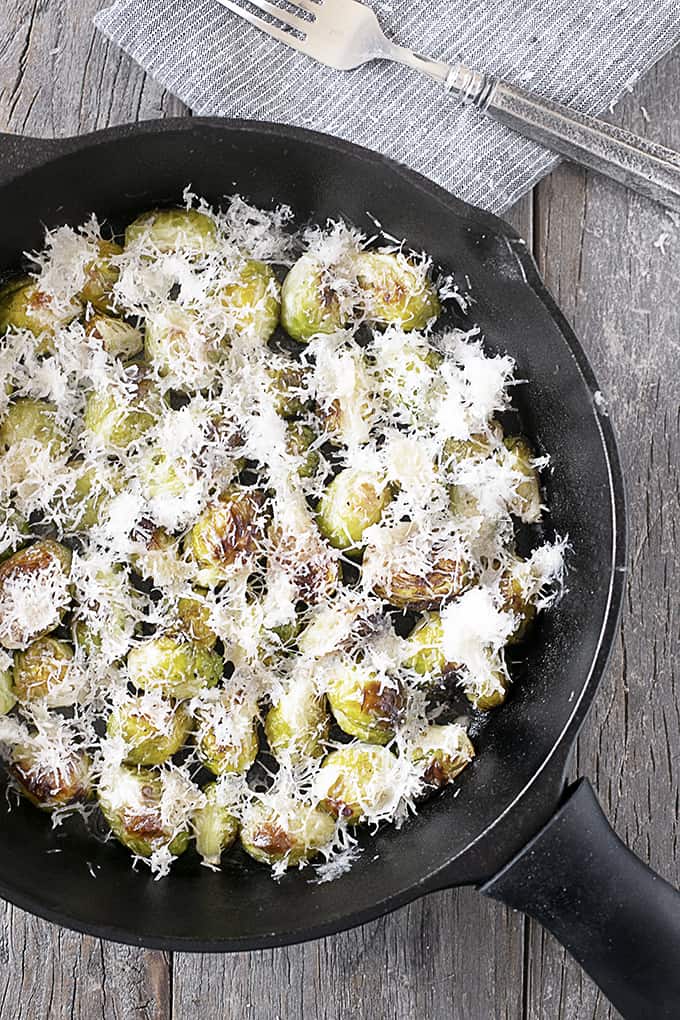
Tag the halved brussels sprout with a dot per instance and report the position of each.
(287, 834)
(14, 529)
(177, 344)
(516, 600)
(441, 753)
(194, 622)
(364, 705)
(356, 781)
(23, 305)
(215, 828)
(51, 785)
(45, 672)
(93, 489)
(352, 502)
(119, 420)
(307, 564)
(157, 557)
(7, 696)
(405, 370)
(417, 586)
(299, 439)
(153, 729)
(287, 388)
(101, 276)
(491, 690)
(338, 627)
(396, 290)
(117, 337)
(176, 668)
(309, 305)
(130, 800)
(33, 422)
(528, 503)
(173, 230)
(34, 592)
(424, 645)
(226, 734)
(253, 302)
(228, 534)
(297, 726)
(478, 445)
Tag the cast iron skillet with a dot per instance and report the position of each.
(512, 829)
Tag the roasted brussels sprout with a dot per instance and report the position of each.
(339, 627)
(404, 368)
(34, 592)
(14, 530)
(157, 556)
(153, 728)
(7, 696)
(364, 705)
(356, 781)
(286, 387)
(130, 800)
(118, 419)
(528, 503)
(417, 584)
(252, 304)
(176, 668)
(425, 654)
(215, 828)
(491, 690)
(309, 304)
(32, 422)
(396, 290)
(478, 445)
(50, 783)
(23, 305)
(93, 489)
(515, 594)
(226, 734)
(177, 344)
(298, 724)
(285, 834)
(117, 337)
(101, 276)
(305, 561)
(299, 440)
(173, 230)
(194, 621)
(352, 502)
(440, 753)
(228, 534)
(45, 672)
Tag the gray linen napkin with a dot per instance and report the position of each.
(581, 52)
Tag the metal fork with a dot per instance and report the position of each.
(345, 34)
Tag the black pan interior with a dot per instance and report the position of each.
(120, 173)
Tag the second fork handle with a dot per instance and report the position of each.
(644, 166)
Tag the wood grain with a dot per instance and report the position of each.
(451, 955)
(603, 254)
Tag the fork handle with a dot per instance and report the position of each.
(644, 166)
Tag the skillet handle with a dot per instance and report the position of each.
(615, 916)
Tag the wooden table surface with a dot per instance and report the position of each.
(612, 260)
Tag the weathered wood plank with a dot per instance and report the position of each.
(57, 77)
(615, 275)
(451, 955)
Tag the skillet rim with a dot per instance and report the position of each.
(19, 156)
